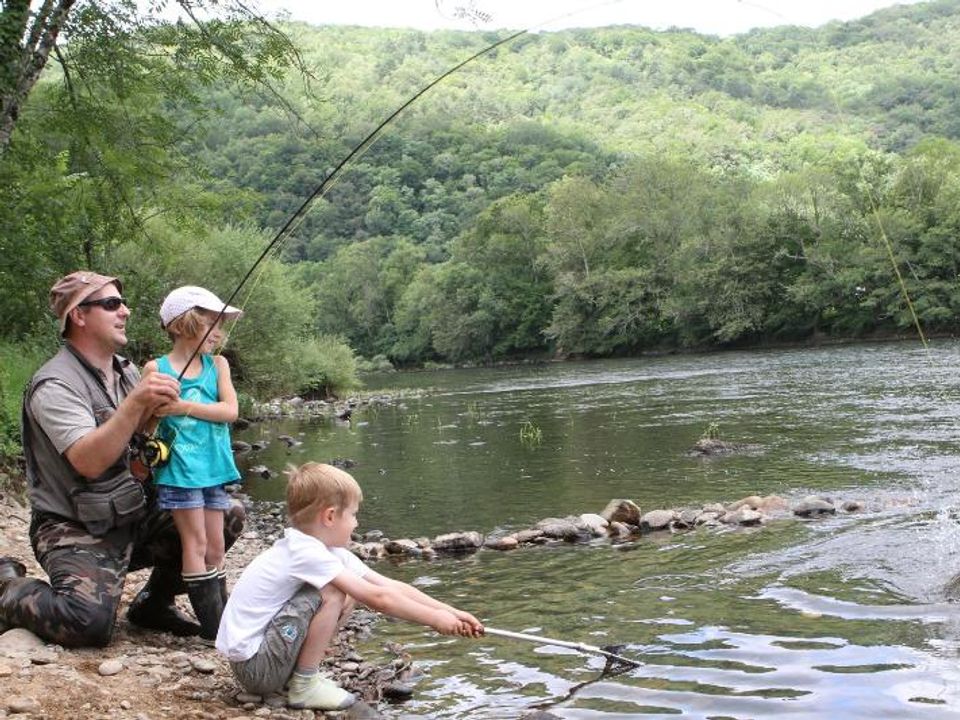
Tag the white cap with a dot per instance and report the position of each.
(190, 296)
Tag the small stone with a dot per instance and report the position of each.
(20, 640)
(110, 667)
(203, 665)
(397, 691)
(18, 705)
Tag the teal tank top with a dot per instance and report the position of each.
(200, 452)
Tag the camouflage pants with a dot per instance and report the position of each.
(78, 607)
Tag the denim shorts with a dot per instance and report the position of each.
(170, 497)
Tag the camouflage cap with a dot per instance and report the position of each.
(71, 290)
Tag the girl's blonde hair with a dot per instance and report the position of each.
(193, 323)
(314, 486)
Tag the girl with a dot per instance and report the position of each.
(195, 429)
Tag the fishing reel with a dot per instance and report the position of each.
(151, 451)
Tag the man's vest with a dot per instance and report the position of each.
(51, 479)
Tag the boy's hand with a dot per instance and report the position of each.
(471, 627)
(446, 623)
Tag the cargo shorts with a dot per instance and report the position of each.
(273, 664)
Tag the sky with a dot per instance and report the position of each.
(718, 17)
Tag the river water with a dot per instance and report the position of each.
(839, 618)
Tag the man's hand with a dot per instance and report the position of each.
(155, 392)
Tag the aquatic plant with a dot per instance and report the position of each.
(530, 434)
(712, 432)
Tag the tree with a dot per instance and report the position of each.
(118, 41)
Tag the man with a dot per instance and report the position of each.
(92, 519)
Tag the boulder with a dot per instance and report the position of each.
(813, 506)
(592, 524)
(751, 501)
(458, 542)
(624, 511)
(687, 518)
(715, 446)
(559, 529)
(772, 504)
(527, 536)
(744, 515)
(502, 543)
(401, 547)
(657, 520)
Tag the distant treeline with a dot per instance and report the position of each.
(590, 192)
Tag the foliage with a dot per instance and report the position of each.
(18, 362)
(263, 344)
(327, 367)
(588, 192)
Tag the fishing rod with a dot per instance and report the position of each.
(580, 647)
(294, 221)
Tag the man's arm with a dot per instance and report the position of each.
(100, 448)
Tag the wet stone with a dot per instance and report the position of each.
(503, 543)
(813, 506)
(620, 510)
(657, 520)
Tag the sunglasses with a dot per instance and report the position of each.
(110, 304)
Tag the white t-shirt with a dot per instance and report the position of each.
(269, 582)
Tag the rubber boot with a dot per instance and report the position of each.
(222, 579)
(153, 607)
(203, 589)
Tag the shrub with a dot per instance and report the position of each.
(327, 367)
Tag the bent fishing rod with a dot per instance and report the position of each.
(295, 220)
(154, 452)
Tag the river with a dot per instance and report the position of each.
(838, 618)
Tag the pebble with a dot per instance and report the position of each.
(110, 667)
(22, 705)
(203, 665)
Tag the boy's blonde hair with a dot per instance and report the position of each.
(314, 486)
(193, 323)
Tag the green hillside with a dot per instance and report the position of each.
(588, 192)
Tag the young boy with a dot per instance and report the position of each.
(288, 603)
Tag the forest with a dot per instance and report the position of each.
(580, 193)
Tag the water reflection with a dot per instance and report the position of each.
(843, 617)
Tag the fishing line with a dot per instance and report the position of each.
(359, 150)
(869, 194)
(154, 452)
